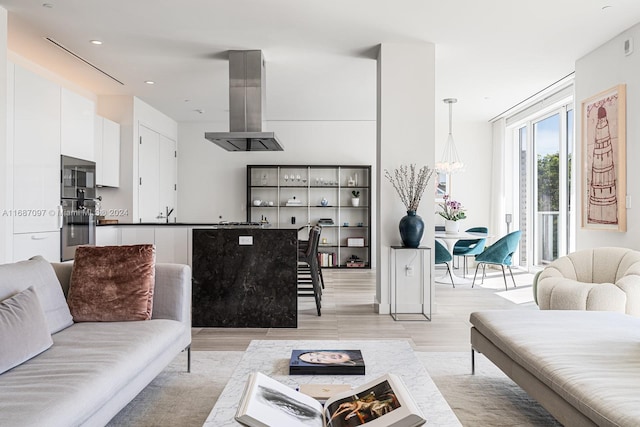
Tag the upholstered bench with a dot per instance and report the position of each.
(582, 366)
(604, 279)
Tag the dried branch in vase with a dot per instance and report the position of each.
(410, 183)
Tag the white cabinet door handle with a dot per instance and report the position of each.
(37, 237)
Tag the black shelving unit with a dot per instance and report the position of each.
(289, 196)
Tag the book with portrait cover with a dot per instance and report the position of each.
(326, 362)
(383, 402)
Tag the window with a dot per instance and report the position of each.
(545, 141)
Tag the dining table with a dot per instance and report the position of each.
(449, 239)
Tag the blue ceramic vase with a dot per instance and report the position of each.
(411, 229)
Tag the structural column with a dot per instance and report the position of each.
(405, 135)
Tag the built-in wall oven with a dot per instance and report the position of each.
(78, 199)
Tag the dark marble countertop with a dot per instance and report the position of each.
(217, 225)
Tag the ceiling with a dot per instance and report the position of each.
(319, 55)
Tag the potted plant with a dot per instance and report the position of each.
(452, 212)
(355, 199)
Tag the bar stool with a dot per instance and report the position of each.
(309, 268)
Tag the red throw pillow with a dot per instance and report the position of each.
(112, 283)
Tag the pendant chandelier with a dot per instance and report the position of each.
(450, 162)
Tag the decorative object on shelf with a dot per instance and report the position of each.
(351, 182)
(450, 162)
(324, 202)
(354, 261)
(325, 221)
(257, 202)
(410, 185)
(355, 242)
(264, 179)
(355, 200)
(270, 202)
(294, 202)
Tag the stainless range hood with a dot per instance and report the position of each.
(246, 106)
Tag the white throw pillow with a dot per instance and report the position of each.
(37, 272)
(23, 329)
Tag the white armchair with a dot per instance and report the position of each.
(604, 279)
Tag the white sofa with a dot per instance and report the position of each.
(582, 366)
(604, 279)
(93, 369)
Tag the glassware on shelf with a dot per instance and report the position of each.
(298, 178)
(286, 177)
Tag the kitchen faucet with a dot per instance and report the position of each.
(166, 216)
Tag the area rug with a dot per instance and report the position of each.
(488, 398)
(178, 398)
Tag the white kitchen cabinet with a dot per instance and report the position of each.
(28, 245)
(131, 235)
(107, 236)
(77, 128)
(36, 154)
(107, 152)
(172, 244)
(157, 175)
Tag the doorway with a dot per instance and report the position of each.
(545, 200)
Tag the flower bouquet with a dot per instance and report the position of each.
(451, 210)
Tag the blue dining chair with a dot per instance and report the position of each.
(471, 247)
(442, 256)
(500, 253)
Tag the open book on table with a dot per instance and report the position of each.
(382, 402)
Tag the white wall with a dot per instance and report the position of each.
(212, 181)
(472, 187)
(5, 185)
(597, 71)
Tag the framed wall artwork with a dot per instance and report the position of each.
(604, 160)
(443, 185)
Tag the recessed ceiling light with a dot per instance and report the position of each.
(199, 111)
(150, 82)
(98, 42)
(47, 5)
(606, 6)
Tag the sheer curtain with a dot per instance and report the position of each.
(497, 226)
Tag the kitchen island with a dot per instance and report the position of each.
(245, 277)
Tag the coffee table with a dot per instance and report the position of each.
(271, 357)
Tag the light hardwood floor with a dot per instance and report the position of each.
(348, 313)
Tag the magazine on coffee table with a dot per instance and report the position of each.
(383, 402)
(326, 362)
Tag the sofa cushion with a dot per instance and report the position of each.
(86, 369)
(112, 283)
(23, 329)
(37, 272)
